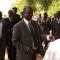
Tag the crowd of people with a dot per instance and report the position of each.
(23, 36)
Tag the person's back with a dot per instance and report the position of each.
(53, 52)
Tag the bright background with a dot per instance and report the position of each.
(5, 5)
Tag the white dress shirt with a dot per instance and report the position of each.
(0, 29)
(53, 51)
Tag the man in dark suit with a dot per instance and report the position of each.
(45, 26)
(16, 17)
(25, 38)
(56, 24)
(10, 48)
(3, 36)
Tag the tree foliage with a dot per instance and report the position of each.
(21, 3)
(55, 6)
(45, 4)
(51, 6)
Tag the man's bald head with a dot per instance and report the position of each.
(28, 8)
(27, 12)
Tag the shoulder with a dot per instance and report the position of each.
(54, 45)
(4, 21)
(19, 24)
(34, 22)
(5, 24)
(18, 15)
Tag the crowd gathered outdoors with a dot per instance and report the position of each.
(24, 37)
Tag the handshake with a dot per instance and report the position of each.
(50, 37)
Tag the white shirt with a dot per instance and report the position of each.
(27, 22)
(53, 51)
(0, 29)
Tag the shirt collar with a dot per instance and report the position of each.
(26, 21)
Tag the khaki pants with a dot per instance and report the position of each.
(38, 57)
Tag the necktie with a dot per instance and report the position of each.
(34, 35)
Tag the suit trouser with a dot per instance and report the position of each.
(11, 52)
(2, 54)
(2, 49)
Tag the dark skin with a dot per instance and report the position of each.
(27, 13)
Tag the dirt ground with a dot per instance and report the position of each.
(38, 57)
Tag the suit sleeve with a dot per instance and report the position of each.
(16, 36)
(40, 47)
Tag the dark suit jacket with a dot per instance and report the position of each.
(22, 39)
(38, 36)
(3, 39)
(10, 48)
(16, 19)
(56, 28)
(10, 27)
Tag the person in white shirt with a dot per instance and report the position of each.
(53, 51)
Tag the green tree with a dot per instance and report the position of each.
(51, 6)
(45, 4)
(21, 3)
(54, 7)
